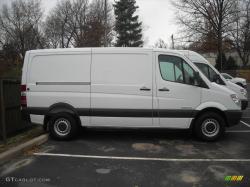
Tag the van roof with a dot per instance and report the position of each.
(194, 56)
(105, 49)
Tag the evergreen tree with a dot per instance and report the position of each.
(218, 64)
(128, 27)
(227, 64)
(231, 63)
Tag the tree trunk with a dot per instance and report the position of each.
(219, 48)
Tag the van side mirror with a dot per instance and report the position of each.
(216, 78)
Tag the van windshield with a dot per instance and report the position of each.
(208, 72)
(226, 76)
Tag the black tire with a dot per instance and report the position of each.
(209, 126)
(63, 126)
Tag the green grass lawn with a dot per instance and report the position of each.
(21, 137)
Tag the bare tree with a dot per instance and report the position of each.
(78, 23)
(81, 8)
(2, 38)
(240, 36)
(205, 17)
(20, 25)
(60, 26)
(53, 32)
(95, 29)
(160, 44)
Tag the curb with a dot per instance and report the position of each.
(18, 150)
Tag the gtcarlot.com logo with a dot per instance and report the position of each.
(234, 178)
(27, 180)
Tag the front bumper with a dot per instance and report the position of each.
(233, 117)
(244, 104)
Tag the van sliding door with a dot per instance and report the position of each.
(121, 88)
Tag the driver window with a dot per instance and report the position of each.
(188, 74)
(171, 68)
(167, 71)
(212, 74)
(204, 68)
(175, 69)
(179, 74)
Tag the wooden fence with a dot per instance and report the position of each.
(10, 108)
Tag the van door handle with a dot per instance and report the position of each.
(145, 89)
(164, 90)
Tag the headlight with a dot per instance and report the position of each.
(243, 92)
(236, 99)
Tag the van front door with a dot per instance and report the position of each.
(177, 94)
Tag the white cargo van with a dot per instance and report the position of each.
(215, 76)
(64, 89)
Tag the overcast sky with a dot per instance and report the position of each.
(157, 16)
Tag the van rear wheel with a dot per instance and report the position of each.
(63, 126)
(209, 126)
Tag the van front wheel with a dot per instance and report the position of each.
(209, 126)
(63, 126)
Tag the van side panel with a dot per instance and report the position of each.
(116, 82)
(58, 78)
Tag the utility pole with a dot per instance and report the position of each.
(238, 17)
(105, 24)
(172, 39)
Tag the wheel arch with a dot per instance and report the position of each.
(209, 109)
(60, 108)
